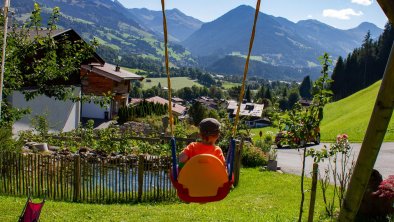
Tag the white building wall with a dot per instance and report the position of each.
(61, 115)
(74, 118)
(91, 110)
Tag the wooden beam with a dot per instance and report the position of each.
(374, 136)
(388, 8)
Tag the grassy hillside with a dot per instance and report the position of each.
(176, 82)
(351, 116)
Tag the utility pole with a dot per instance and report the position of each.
(5, 14)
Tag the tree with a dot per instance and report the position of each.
(338, 76)
(40, 65)
(283, 104)
(197, 112)
(305, 88)
(293, 98)
(364, 66)
(268, 94)
(248, 96)
(301, 122)
(284, 93)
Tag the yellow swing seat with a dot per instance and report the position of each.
(203, 175)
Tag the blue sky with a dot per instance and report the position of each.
(343, 14)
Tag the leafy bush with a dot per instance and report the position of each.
(253, 156)
(140, 147)
(265, 143)
(142, 109)
(7, 143)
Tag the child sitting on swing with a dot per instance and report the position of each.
(209, 132)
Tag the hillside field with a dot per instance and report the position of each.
(176, 82)
(351, 116)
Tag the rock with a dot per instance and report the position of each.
(84, 150)
(30, 145)
(26, 149)
(64, 152)
(53, 148)
(41, 147)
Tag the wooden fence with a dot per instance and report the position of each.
(93, 180)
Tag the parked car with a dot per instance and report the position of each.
(282, 138)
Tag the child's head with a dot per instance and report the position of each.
(209, 130)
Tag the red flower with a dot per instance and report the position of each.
(386, 188)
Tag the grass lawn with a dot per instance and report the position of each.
(176, 82)
(134, 70)
(351, 116)
(228, 85)
(260, 196)
(256, 132)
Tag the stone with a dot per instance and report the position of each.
(30, 144)
(41, 147)
(53, 148)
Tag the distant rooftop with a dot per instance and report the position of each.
(247, 109)
(110, 71)
(176, 108)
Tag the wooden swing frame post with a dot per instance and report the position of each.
(374, 136)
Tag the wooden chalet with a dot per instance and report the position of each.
(95, 77)
(98, 79)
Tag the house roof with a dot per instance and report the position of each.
(247, 109)
(109, 71)
(57, 34)
(208, 102)
(176, 108)
(135, 100)
(177, 99)
(232, 104)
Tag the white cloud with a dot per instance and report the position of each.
(310, 16)
(362, 2)
(343, 14)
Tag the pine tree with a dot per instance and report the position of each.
(305, 88)
(260, 93)
(293, 98)
(268, 94)
(338, 77)
(197, 112)
(247, 95)
(364, 65)
(284, 92)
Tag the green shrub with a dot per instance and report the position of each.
(265, 143)
(253, 156)
(7, 143)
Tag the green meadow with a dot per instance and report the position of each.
(260, 196)
(176, 82)
(351, 116)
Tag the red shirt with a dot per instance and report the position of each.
(197, 148)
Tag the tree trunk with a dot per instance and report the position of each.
(373, 139)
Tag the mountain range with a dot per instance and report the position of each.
(111, 24)
(282, 49)
(180, 26)
(278, 41)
